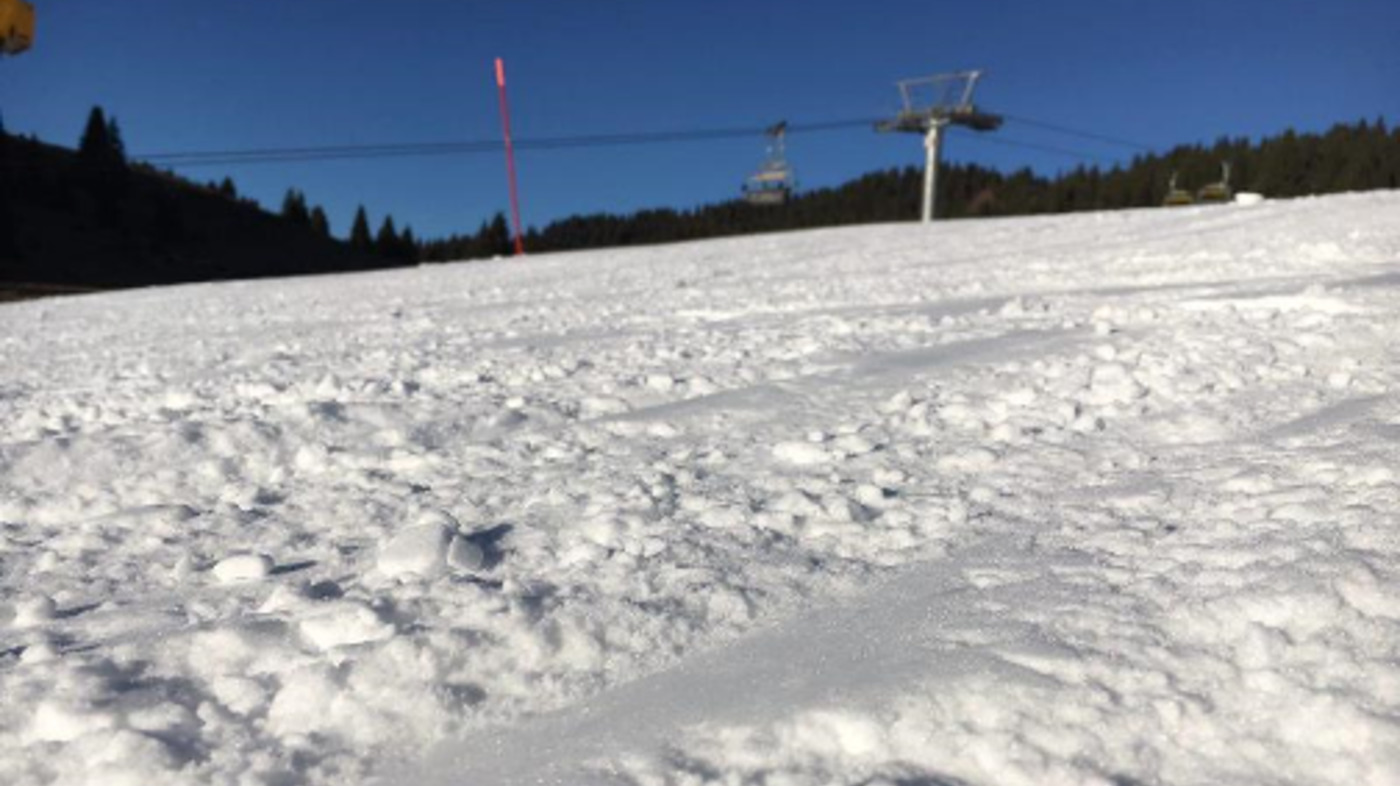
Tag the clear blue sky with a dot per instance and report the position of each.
(220, 74)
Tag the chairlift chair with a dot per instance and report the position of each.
(1220, 191)
(1177, 197)
(773, 182)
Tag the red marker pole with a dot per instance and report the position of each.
(510, 155)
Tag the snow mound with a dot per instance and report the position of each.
(242, 568)
(33, 611)
(343, 623)
(428, 548)
(801, 454)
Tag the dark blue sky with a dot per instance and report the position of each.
(221, 74)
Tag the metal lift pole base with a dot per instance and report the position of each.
(931, 150)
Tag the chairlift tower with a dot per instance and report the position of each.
(931, 104)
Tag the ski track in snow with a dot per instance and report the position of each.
(1102, 499)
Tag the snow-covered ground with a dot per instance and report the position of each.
(1103, 499)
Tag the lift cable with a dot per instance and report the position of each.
(1055, 127)
(340, 152)
(1062, 151)
(313, 154)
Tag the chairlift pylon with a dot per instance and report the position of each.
(773, 182)
(931, 104)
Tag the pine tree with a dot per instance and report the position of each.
(228, 189)
(1281, 167)
(114, 140)
(294, 208)
(104, 172)
(319, 222)
(96, 145)
(408, 246)
(1390, 156)
(359, 231)
(386, 243)
(494, 238)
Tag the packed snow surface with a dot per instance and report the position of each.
(1097, 499)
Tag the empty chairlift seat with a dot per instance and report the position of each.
(774, 182)
(1219, 191)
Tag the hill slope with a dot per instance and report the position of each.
(1104, 498)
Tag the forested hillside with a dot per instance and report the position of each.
(1350, 157)
(90, 219)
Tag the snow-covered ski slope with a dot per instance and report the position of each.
(1102, 499)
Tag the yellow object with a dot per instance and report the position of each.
(16, 26)
(1178, 198)
(1215, 192)
(1175, 196)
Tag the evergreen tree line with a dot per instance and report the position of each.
(93, 217)
(101, 148)
(90, 218)
(389, 243)
(1350, 157)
